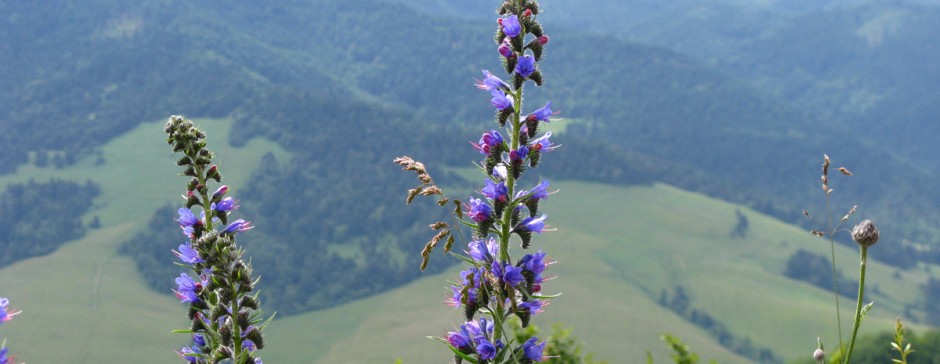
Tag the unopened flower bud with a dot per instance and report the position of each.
(865, 233)
(543, 40)
(820, 356)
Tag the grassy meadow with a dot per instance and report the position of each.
(616, 248)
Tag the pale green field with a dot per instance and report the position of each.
(616, 249)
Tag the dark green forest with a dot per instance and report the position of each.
(347, 86)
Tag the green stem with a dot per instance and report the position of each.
(858, 305)
(835, 280)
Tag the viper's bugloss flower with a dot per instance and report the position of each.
(543, 144)
(511, 26)
(533, 349)
(539, 192)
(496, 191)
(186, 289)
(534, 224)
(478, 329)
(519, 155)
(459, 341)
(504, 50)
(227, 204)
(543, 113)
(187, 254)
(526, 66)
(491, 82)
(249, 345)
(533, 307)
(236, 226)
(509, 274)
(488, 141)
(190, 354)
(199, 339)
(484, 251)
(534, 263)
(479, 210)
(187, 221)
(6, 314)
(543, 40)
(500, 100)
(485, 349)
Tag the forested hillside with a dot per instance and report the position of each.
(346, 86)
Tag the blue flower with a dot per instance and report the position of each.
(533, 350)
(495, 191)
(227, 204)
(511, 26)
(491, 82)
(6, 314)
(500, 100)
(479, 210)
(236, 226)
(519, 155)
(187, 221)
(526, 66)
(186, 289)
(488, 141)
(536, 224)
(199, 339)
(534, 263)
(485, 349)
(219, 192)
(542, 114)
(459, 341)
(187, 255)
(190, 354)
(513, 276)
(544, 145)
(533, 307)
(484, 251)
(249, 345)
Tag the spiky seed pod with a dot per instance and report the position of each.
(256, 337)
(865, 233)
(535, 29)
(524, 317)
(224, 352)
(510, 63)
(243, 319)
(532, 205)
(226, 333)
(469, 310)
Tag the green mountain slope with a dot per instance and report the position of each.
(616, 248)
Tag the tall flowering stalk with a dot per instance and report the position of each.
(495, 286)
(6, 314)
(226, 324)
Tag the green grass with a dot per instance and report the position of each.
(616, 248)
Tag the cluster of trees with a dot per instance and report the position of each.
(680, 302)
(38, 217)
(816, 269)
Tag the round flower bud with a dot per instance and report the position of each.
(820, 356)
(865, 233)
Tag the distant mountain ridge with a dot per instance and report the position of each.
(347, 86)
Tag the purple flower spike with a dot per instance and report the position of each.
(500, 100)
(511, 26)
(236, 226)
(458, 340)
(533, 350)
(187, 255)
(542, 114)
(491, 82)
(526, 66)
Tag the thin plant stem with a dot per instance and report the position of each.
(835, 280)
(858, 306)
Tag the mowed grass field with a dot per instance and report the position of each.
(616, 248)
